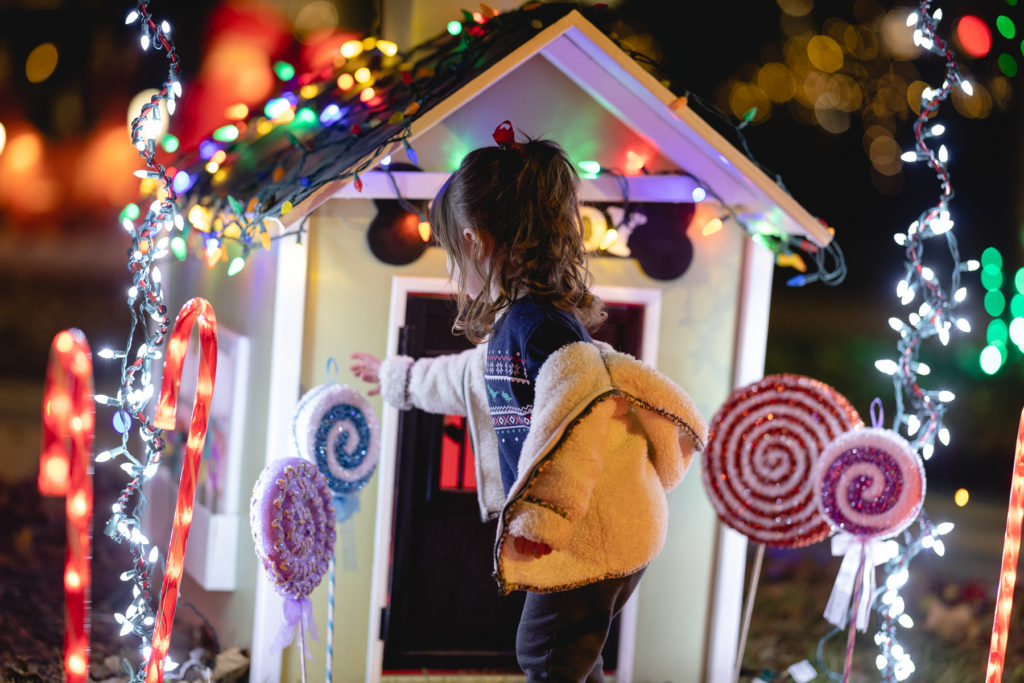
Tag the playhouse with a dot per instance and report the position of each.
(294, 308)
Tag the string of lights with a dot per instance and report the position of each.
(150, 240)
(334, 124)
(920, 412)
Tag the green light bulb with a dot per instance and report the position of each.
(236, 265)
(454, 27)
(591, 168)
(284, 71)
(179, 248)
(995, 303)
(997, 332)
(130, 211)
(1017, 306)
(170, 143)
(992, 257)
(1006, 27)
(991, 277)
(228, 133)
(1008, 65)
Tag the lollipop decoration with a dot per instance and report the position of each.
(763, 443)
(871, 486)
(195, 310)
(293, 530)
(65, 470)
(335, 428)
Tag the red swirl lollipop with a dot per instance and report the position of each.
(763, 443)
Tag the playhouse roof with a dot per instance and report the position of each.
(321, 137)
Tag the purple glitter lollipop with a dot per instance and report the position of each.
(870, 482)
(292, 520)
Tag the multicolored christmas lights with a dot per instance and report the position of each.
(336, 123)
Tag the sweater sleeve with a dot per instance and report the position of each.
(434, 385)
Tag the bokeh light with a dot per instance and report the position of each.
(41, 63)
(796, 8)
(1008, 65)
(3, 138)
(974, 35)
(1006, 27)
(825, 53)
(961, 497)
(997, 332)
(991, 257)
(313, 19)
(995, 303)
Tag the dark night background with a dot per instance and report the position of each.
(65, 266)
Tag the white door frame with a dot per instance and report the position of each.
(650, 299)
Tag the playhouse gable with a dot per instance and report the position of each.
(571, 83)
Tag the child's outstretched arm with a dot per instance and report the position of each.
(435, 384)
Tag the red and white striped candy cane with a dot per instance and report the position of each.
(65, 469)
(195, 310)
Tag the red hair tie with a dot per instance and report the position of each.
(505, 136)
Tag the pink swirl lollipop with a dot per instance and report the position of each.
(292, 525)
(763, 443)
(870, 482)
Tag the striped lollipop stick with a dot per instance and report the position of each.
(335, 428)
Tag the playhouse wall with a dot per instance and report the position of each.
(244, 304)
(347, 310)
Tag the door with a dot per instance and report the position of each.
(444, 610)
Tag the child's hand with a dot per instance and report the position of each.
(366, 367)
(525, 546)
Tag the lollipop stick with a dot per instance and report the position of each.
(330, 616)
(302, 647)
(754, 575)
(853, 616)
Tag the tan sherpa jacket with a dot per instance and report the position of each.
(609, 436)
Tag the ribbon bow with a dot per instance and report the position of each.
(859, 561)
(298, 614)
(504, 135)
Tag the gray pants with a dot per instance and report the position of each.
(561, 634)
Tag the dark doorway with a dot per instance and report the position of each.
(445, 612)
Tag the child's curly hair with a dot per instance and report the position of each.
(522, 202)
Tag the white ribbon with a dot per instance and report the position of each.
(875, 552)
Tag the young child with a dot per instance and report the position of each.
(576, 444)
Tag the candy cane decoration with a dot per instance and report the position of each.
(1008, 573)
(194, 310)
(65, 470)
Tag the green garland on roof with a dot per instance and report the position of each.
(294, 147)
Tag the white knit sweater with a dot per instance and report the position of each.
(609, 436)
